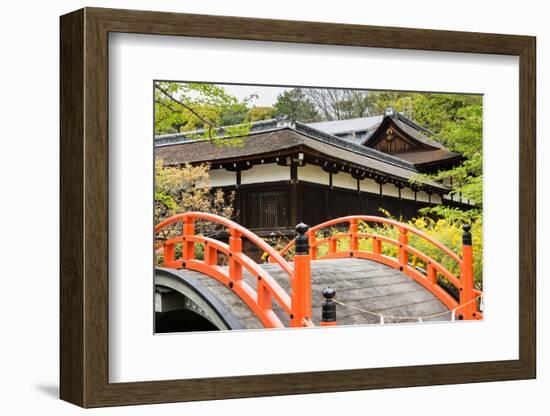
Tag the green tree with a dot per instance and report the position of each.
(457, 122)
(190, 106)
(294, 104)
(339, 104)
(259, 114)
(233, 114)
(188, 188)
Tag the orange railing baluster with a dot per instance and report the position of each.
(376, 246)
(188, 249)
(468, 305)
(263, 297)
(431, 274)
(332, 245)
(301, 283)
(353, 240)
(169, 253)
(236, 248)
(312, 249)
(403, 254)
(210, 255)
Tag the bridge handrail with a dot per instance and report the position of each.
(231, 225)
(370, 218)
(267, 289)
(428, 279)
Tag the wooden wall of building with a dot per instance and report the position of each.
(272, 197)
(269, 207)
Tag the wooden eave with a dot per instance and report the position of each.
(314, 157)
(387, 122)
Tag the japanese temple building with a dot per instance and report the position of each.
(288, 172)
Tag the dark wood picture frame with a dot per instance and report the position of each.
(84, 207)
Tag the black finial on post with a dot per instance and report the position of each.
(328, 314)
(302, 242)
(467, 235)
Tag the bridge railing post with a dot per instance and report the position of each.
(235, 248)
(301, 281)
(403, 254)
(353, 240)
(188, 249)
(332, 245)
(312, 248)
(328, 308)
(210, 255)
(468, 307)
(169, 255)
(431, 273)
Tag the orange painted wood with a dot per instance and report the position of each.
(301, 290)
(267, 289)
(466, 307)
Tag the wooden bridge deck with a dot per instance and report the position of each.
(362, 283)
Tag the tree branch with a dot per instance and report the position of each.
(191, 110)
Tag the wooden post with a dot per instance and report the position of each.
(403, 254)
(239, 198)
(210, 255)
(332, 245)
(294, 203)
(431, 274)
(468, 307)
(263, 296)
(381, 194)
(235, 248)
(328, 309)
(399, 187)
(312, 248)
(376, 246)
(301, 281)
(168, 255)
(353, 240)
(188, 252)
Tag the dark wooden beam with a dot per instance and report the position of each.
(294, 203)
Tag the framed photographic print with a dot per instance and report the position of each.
(256, 207)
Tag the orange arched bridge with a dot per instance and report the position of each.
(302, 285)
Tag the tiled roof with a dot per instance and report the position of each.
(322, 136)
(419, 158)
(281, 139)
(347, 126)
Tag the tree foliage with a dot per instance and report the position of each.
(187, 188)
(259, 113)
(457, 122)
(309, 105)
(233, 114)
(339, 104)
(188, 106)
(297, 106)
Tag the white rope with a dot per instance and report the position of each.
(412, 318)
